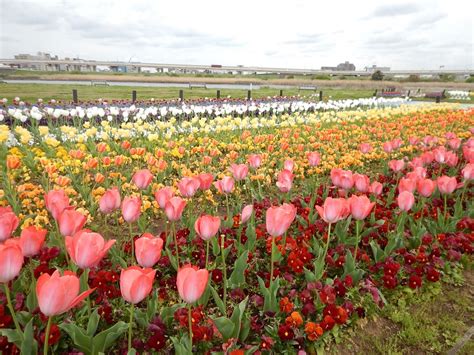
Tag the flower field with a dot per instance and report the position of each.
(224, 228)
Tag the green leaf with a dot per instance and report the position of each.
(349, 264)
(93, 323)
(13, 336)
(79, 337)
(245, 329)
(172, 258)
(236, 317)
(218, 300)
(106, 338)
(237, 278)
(225, 326)
(251, 237)
(29, 344)
(31, 300)
(182, 346)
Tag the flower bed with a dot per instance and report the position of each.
(232, 235)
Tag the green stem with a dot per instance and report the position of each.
(357, 240)
(190, 324)
(10, 307)
(271, 260)
(133, 243)
(327, 245)
(175, 243)
(224, 270)
(445, 207)
(89, 307)
(228, 210)
(130, 326)
(207, 253)
(46, 337)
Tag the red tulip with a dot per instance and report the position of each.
(188, 186)
(87, 249)
(142, 178)
(406, 184)
(163, 195)
(468, 172)
(110, 201)
(239, 171)
(285, 180)
(71, 221)
(11, 260)
(205, 181)
(279, 219)
(58, 294)
(31, 240)
(314, 158)
(425, 187)
(289, 164)
(174, 208)
(8, 223)
(446, 184)
(226, 185)
(396, 165)
(131, 209)
(191, 283)
(56, 202)
(255, 160)
(365, 148)
(405, 200)
(136, 283)
(376, 188)
(333, 210)
(360, 206)
(148, 250)
(246, 213)
(361, 182)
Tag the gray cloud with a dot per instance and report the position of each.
(396, 9)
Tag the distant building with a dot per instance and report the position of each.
(374, 68)
(52, 66)
(346, 66)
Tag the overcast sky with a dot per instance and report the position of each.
(291, 33)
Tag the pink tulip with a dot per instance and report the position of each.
(289, 164)
(142, 178)
(406, 184)
(279, 219)
(56, 202)
(207, 226)
(110, 201)
(58, 294)
(361, 182)
(239, 171)
(396, 165)
(346, 180)
(452, 159)
(188, 186)
(31, 240)
(397, 143)
(314, 158)
(446, 184)
(468, 172)
(71, 221)
(468, 153)
(285, 180)
(163, 195)
(360, 206)
(11, 260)
(440, 154)
(365, 148)
(454, 143)
(335, 176)
(8, 223)
(413, 140)
(419, 172)
(246, 213)
(148, 250)
(205, 181)
(254, 160)
(388, 147)
(191, 283)
(427, 157)
(425, 187)
(450, 135)
(376, 188)
(405, 200)
(174, 208)
(416, 162)
(136, 283)
(87, 249)
(226, 185)
(333, 209)
(131, 208)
